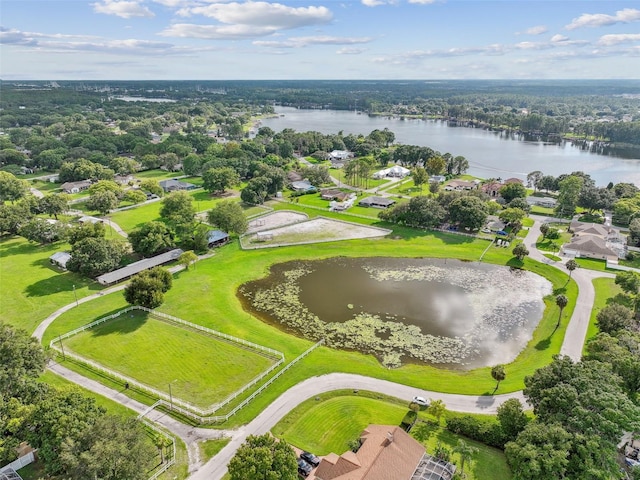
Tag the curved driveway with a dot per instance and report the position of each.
(217, 466)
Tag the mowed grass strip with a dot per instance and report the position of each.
(328, 426)
(200, 368)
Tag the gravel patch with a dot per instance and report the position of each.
(274, 220)
(317, 230)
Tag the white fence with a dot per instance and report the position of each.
(171, 461)
(19, 463)
(181, 406)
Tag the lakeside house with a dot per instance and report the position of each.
(592, 240)
(547, 202)
(397, 171)
(461, 185)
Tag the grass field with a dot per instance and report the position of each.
(326, 425)
(201, 369)
(607, 292)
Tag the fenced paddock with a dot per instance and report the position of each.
(192, 369)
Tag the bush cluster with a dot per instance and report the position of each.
(487, 432)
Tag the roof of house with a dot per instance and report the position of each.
(173, 184)
(80, 184)
(580, 228)
(592, 244)
(61, 258)
(377, 201)
(387, 453)
(302, 185)
(216, 235)
(294, 176)
(139, 266)
(513, 180)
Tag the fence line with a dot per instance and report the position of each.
(19, 462)
(172, 461)
(174, 403)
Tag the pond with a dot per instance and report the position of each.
(446, 313)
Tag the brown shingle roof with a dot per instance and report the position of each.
(387, 453)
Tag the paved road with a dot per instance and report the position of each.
(217, 467)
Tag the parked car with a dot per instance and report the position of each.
(501, 232)
(304, 468)
(310, 458)
(421, 401)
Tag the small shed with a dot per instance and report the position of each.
(60, 259)
(217, 238)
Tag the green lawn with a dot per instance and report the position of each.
(201, 369)
(593, 264)
(407, 187)
(606, 292)
(327, 424)
(210, 448)
(338, 174)
(32, 288)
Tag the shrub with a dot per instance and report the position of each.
(487, 432)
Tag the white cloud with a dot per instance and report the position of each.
(537, 30)
(423, 2)
(615, 39)
(532, 46)
(627, 15)
(216, 32)
(377, 3)
(122, 9)
(350, 51)
(263, 14)
(298, 42)
(559, 38)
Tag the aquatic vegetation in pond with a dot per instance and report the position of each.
(437, 312)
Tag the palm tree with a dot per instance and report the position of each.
(561, 301)
(466, 453)
(498, 375)
(571, 266)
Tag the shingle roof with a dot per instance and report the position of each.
(137, 267)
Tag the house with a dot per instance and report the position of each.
(60, 259)
(437, 178)
(460, 185)
(334, 194)
(492, 188)
(302, 186)
(174, 185)
(495, 224)
(386, 452)
(376, 202)
(397, 171)
(346, 204)
(592, 240)
(216, 238)
(75, 187)
(547, 202)
(513, 180)
(340, 155)
(123, 179)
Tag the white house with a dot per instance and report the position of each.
(396, 171)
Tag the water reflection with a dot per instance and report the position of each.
(443, 312)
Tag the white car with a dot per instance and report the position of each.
(421, 401)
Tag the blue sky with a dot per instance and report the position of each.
(318, 39)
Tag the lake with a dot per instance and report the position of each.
(441, 312)
(490, 154)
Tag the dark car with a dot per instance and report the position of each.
(310, 458)
(304, 468)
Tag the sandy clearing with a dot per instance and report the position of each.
(274, 220)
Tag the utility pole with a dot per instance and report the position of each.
(75, 295)
(64, 357)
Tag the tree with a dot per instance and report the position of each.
(229, 217)
(420, 177)
(264, 458)
(512, 418)
(437, 408)
(544, 229)
(152, 238)
(85, 230)
(59, 417)
(151, 186)
(435, 165)
(148, 287)
(112, 448)
(106, 186)
(533, 179)
(135, 196)
(628, 281)
(22, 363)
(13, 216)
(42, 231)
(512, 215)
(513, 190)
(561, 302)
(434, 187)
(520, 251)
(571, 265)
(256, 191)
(466, 453)
(94, 256)
(498, 374)
(569, 194)
(217, 180)
(468, 211)
(11, 188)
(614, 318)
(540, 452)
(178, 210)
(54, 205)
(103, 202)
(461, 165)
(187, 258)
